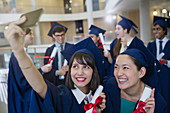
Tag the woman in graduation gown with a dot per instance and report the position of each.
(82, 79)
(122, 41)
(132, 69)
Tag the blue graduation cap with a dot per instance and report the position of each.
(138, 50)
(128, 24)
(87, 46)
(162, 21)
(55, 24)
(96, 30)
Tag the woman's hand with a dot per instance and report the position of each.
(103, 103)
(15, 35)
(150, 103)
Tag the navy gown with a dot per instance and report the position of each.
(164, 74)
(59, 99)
(19, 91)
(113, 99)
(51, 75)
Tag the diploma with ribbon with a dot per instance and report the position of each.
(91, 107)
(102, 40)
(141, 105)
(52, 56)
(65, 63)
(159, 58)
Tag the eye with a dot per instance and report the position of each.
(74, 66)
(86, 67)
(125, 67)
(115, 67)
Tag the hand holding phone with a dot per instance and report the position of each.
(32, 18)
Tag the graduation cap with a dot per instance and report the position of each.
(138, 50)
(55, 24)
(87, 46)
(96, 30)
(128, 24)
(163, 21)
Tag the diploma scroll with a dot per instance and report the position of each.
(96, 95)
(102, 40)
(65, 63)
(146, 94)
(52, 56)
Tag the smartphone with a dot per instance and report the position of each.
(32, 18)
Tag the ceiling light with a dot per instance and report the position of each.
(155, 12)
(164, 11)
(109, 18)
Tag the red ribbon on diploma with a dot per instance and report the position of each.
(91, 105)
(140, 109)
(161, 62)
(101, 45)
(45, 57)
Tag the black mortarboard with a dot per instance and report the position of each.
(138, 50)
(55, 24)
(96, 30)
(163, 21)
(82, 46)
(128, 24)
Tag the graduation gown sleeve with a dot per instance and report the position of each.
(19, 91)
(59, 99)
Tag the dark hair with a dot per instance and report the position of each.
(84, 59)
(59, 29)
(28, 30)
(116, 49)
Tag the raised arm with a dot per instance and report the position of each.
(15, 36)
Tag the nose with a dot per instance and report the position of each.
(119, 72)
(80, 71)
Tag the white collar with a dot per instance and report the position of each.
(58, 45)
(164, 39)
(80, 95)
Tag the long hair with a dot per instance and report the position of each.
(83, 59)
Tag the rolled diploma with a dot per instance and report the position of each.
(146, 94)
(53, 55)
(160, 56)
(65, 63)
(102, 39)
(96, 95)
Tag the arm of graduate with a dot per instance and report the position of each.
(14, 34)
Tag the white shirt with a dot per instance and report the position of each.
(80, 95)
(158, 56)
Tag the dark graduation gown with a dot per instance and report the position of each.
(59, 99)
(164, 74)
(18, 88)
(113, 99)
(51, 75)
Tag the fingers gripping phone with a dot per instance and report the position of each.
(32, 18)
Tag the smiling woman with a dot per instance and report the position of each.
(132, 70)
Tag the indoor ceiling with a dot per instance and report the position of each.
(127, 5)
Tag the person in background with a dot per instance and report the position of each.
(122, 41)
(18, 96)
(94, 34)
(47, 98)
(161, 50)
(56, 75)
(132, 69)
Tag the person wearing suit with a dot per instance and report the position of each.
(161, 50)
(56, 75)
